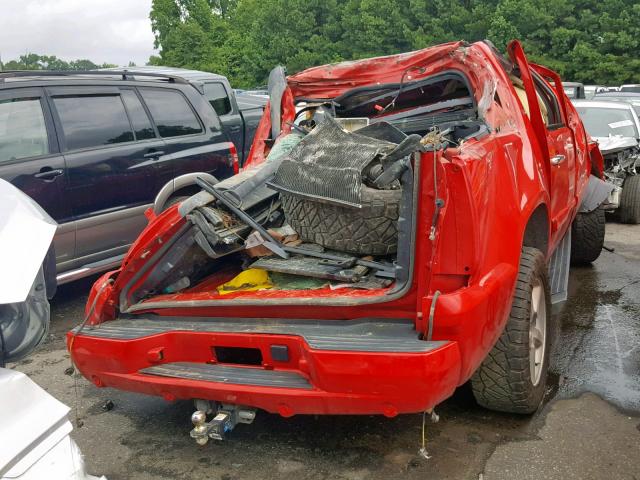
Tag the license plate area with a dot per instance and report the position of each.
(238, 355)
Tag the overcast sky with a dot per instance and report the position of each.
(112, 31)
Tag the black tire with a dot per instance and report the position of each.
(504, 380)
(370, 230)
(630, 200)
(587, 236)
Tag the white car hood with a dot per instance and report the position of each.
(34, 429)
(614, 143)
(26, 232)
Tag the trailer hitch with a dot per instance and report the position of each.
(224, 421)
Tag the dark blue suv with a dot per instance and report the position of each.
(94, 149)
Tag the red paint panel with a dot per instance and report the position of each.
(342, 382)
(490, 187)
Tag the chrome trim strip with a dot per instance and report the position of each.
(89, 269)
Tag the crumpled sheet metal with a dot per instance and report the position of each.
(327, 164)
(596, 192)
(25, 324)
(257, 177)
(330, 81)
(488, 93)
(277, 85)
(26, 232)
(34, 429)
(240, 187)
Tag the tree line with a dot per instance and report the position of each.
(592, 41)
(34, 61)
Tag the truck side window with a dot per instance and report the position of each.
(93, 120)
(216, 95)
(139, 119)
(171, 112)
(23, 132)
(551, 107)
(518, 86)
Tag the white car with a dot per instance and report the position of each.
(630, 87)
(624, 97)
(34, 428)
(616, 128)
(591, 90)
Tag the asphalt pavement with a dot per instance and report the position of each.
(588, 427)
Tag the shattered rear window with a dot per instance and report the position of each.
(371, 102)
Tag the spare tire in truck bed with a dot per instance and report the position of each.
(326, 181)
(370, 230)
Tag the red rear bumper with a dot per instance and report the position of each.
(336, 382)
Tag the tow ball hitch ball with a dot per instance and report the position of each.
(224, 420)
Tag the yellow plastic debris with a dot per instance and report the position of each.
(247, 281)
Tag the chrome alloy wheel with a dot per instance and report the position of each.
(537, 332)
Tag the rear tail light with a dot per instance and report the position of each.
(233, 158)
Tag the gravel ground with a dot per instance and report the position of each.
(589, 427)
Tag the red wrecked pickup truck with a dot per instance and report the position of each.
(403, 225)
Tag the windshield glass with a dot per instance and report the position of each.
(634, 101)
(571, 92)
(602, 122)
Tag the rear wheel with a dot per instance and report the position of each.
(630, 200)
(587, 236)
(512, 377)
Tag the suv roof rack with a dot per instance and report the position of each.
(124, 74)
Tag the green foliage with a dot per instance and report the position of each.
(584, 40)
(33, 61)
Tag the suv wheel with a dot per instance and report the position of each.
(630, 200)
(587, 236)
(513, 376)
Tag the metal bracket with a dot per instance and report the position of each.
(223, 422)
(596, 192)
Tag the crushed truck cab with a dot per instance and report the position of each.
(414, 215)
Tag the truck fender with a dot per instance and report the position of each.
(176, 184)
(596, 192)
